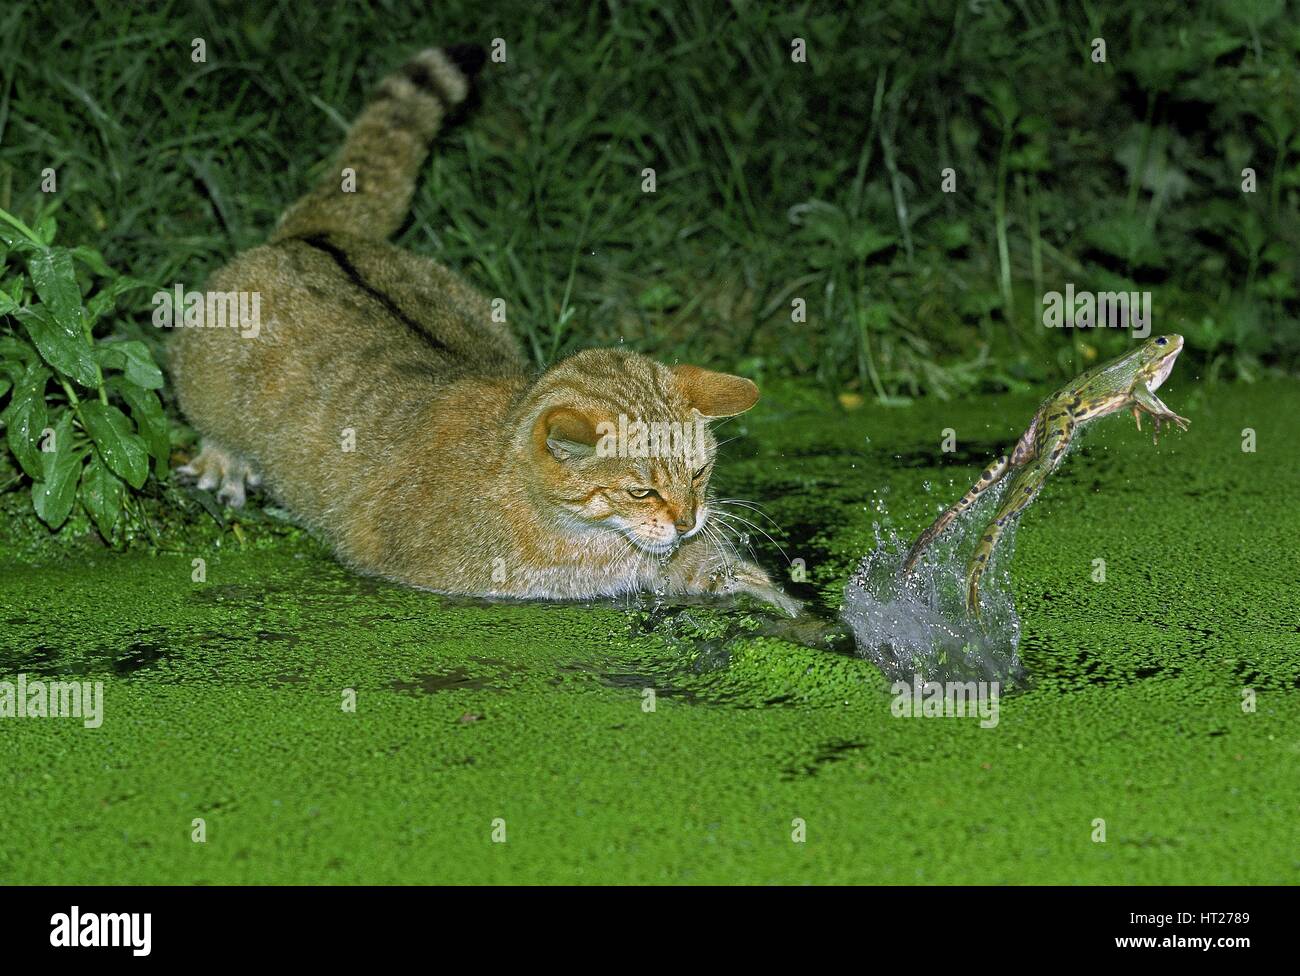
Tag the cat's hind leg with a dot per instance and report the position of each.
(215, 467)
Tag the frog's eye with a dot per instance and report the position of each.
(1162, 341)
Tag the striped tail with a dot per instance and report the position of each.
(385, 149)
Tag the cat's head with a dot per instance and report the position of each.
(620, 445)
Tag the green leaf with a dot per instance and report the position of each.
(955, 235)
(15, 356)
(1126, 237)
(55, 280)
(14, 240)
(209, 504)
(135, 361)
(25, 418)
(869, 241)
(120, 447)
(150, 421)
(105, 300)
(67, 351)
(659, 297)
(1002, 99)
(56, 490)
(93, 260)
(7, 305)
(45, 229)
(13, 349)
(103, 494)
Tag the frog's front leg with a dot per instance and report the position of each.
(1144, 401)
(1022, 490)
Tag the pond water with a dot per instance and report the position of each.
(656, 743)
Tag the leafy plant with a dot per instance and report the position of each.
(80, 416)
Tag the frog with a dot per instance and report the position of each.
(1126, 383)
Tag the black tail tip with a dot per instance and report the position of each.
(469, 58)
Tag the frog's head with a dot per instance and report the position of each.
(1156, 360)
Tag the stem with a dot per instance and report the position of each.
(1000, 204)
(22, 228)
(72, 397)
(75, 403)
(1140, 172)
(1035, 240)
(859, 313)
(896, 185)
(1274, 191)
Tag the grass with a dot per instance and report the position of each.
(775, 180)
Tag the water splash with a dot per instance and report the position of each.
(919, 624)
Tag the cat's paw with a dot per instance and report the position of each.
(702, 569)
(226, 472)
(780, 599)
(751, 579)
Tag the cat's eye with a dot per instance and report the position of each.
(700, 474)
(642, 492)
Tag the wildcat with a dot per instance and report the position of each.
(385, 408)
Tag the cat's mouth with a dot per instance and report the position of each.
(657, 545)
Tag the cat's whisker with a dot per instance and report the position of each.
(754, 507)
(608, 545)
(748, 502)
(757, 510)
(743, 539)
(740, 518)
(719, 546)
(628, 544)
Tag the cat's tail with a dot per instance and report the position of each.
(369, 192)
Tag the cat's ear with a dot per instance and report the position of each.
(715, 394)
(566, 434)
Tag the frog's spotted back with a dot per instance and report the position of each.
(1128, 382)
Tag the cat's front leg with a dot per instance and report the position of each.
(704, 570)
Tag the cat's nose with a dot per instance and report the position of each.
(685, 522)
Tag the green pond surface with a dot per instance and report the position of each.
(223, 699)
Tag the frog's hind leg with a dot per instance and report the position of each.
(991, 476)
(1022, 490)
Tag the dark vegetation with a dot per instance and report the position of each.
(776, 181)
